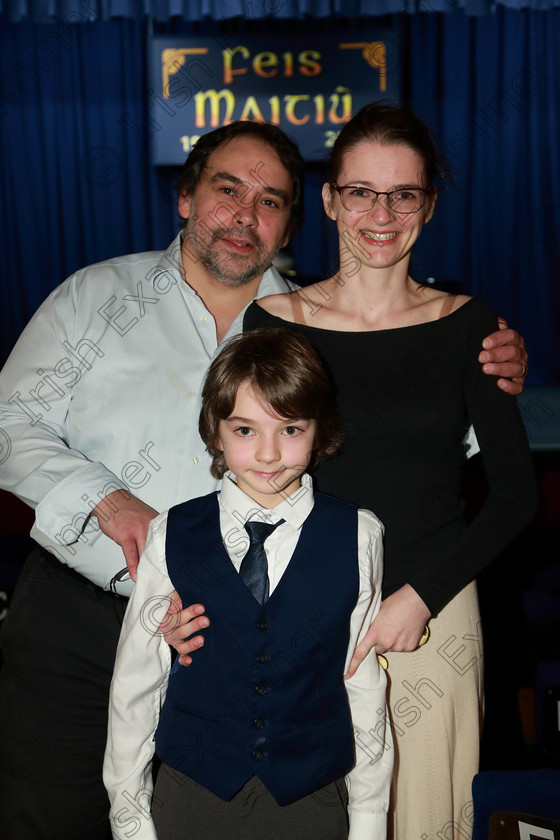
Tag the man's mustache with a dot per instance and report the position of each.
(236, 233)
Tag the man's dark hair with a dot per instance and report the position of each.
(271, 135)
(286, 372)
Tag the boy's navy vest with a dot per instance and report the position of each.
(265, 696)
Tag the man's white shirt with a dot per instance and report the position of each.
(102, 392)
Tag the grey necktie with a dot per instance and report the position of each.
(254, 567)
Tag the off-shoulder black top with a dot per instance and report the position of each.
(407, 396)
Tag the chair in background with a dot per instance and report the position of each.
(525, 792)
(512, 825)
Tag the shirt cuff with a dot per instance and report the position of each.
(62, 514)
(470, 443)
(131, 823)
(367, 825)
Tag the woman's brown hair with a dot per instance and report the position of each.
(389, 124)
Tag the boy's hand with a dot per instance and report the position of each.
(178, 624)
(504, 355)
(398, 626)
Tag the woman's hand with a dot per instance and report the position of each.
(179, 624)
(504, 355)
(398, 626)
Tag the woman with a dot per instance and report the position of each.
(394, 348)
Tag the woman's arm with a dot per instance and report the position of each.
(398, 626)
(511, 503)
(512, 495)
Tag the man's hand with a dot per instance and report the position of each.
(398, 626)
(125, 519)
(504, 355)
(178, 624)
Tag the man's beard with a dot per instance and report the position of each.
(231, 269)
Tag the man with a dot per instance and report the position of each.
(100, 397)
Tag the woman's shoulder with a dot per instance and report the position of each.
(277, 305)
(294, 307)
(477, 310)
(470, 320)
(458, 301)
(463, 308)
(258, 316)
(434, 304)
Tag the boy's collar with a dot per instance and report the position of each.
(295, 508)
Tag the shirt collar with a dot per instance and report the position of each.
(272, 283)
(294, 510)
(170, 260)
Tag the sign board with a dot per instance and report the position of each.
(309, 86)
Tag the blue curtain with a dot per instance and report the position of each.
(42, 11)
(77, 185)
(490, 88)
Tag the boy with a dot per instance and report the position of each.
(256, 737)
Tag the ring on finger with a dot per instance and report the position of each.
(425, 636)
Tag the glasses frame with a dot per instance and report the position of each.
(377, 193)
(121, 576)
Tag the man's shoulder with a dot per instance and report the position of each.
(120, 265)
(134, 263)
(116, 276)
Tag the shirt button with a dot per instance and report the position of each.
(260, 690)
(258, 723)
(258, 755)
(204, 318)
(262, 658)
(262, 624)
(195, 459)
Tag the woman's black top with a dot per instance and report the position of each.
(407, 397)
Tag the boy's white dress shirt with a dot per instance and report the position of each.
(143, 664)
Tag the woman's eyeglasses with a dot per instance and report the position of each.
(359, 199)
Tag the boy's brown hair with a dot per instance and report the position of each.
(283, 368)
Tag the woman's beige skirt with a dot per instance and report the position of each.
(435, 700)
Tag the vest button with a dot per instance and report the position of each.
(262, 658)
(262, 625)
(260, 689)
(258, 723)
(258, 755)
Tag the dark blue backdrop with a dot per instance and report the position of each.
(77, 185)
